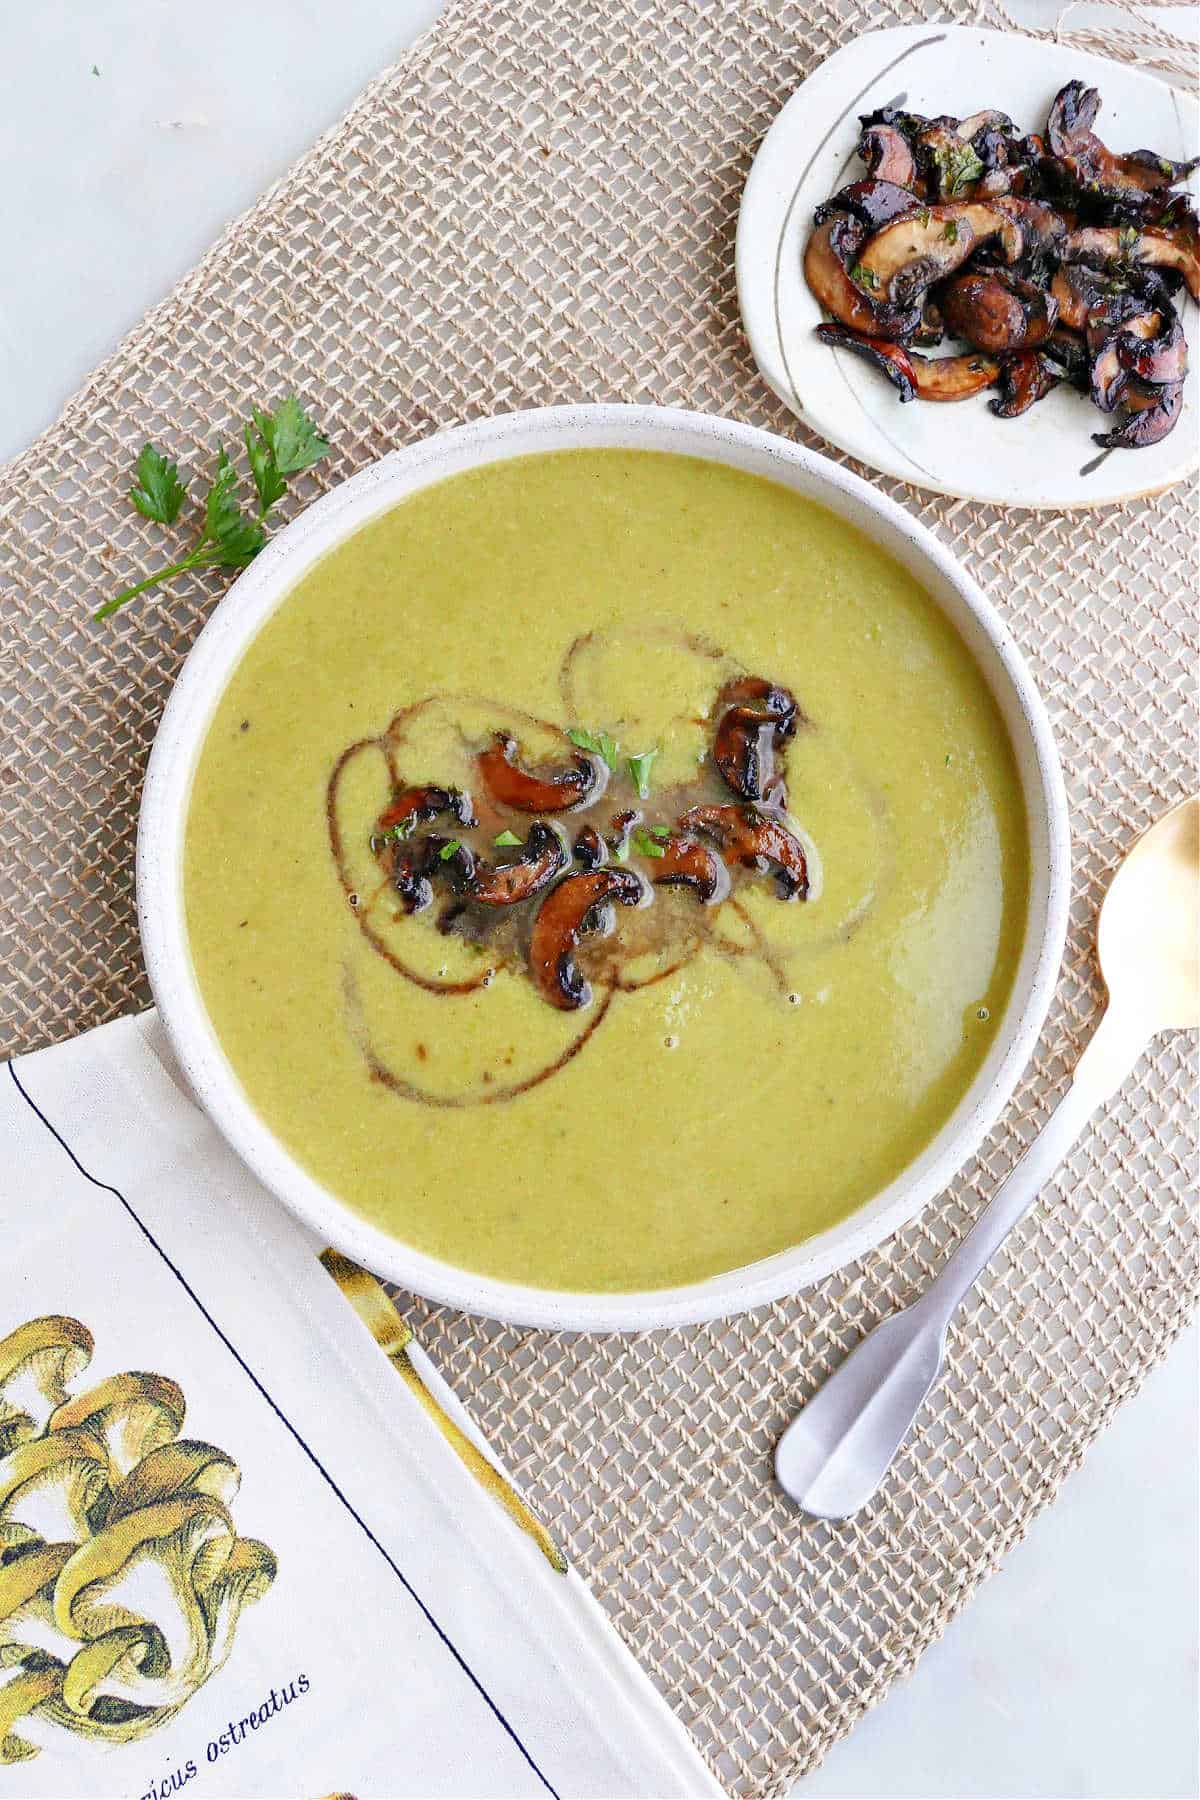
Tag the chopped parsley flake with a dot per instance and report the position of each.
(646, 843)
(957, 167)
(449, 849)
(639, 771)
(506, 839)
(596, 743)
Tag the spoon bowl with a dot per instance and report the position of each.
(1148, 940)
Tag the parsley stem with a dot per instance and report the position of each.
(195, 559)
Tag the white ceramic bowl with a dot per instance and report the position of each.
(261, 588)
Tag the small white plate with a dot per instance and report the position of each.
(1046, 458)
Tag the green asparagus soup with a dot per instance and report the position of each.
(606, 869)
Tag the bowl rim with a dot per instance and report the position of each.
(254, 595)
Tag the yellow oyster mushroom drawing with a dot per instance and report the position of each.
(122, 1575)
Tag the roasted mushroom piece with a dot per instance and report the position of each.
(874, 203)
(1153, 347)
(756, 837)
(999, 311)
(1067, 351)
(887, 155)
(903, 259)
(943, 379)
(831, 252)
(686, 862)
(505, 884)
(1087, 164)
(1075, 290)
(421, 806)
(1123, 245)
(757, 718)
(1130, 342)
(1024, 380)
(590, 848)
(1151, 415)
(576, 905)
(527, 792)
(412, 868)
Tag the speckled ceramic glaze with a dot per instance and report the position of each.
(261, 588)
(1044, 459)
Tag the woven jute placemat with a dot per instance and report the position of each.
(537, 205)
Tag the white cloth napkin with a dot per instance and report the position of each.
(357, 1614)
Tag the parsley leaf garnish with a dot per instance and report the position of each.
(866, 278)
(957, 168)
(506, 839)
(235, 539)
(449, 849)
(950, 230)
(652, 842)
(596, 743)
(278, 445)
(158, 492)
(639, 771)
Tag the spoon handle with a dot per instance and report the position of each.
(1110, 1055)
(839, 1447)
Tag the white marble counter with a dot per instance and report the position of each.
(132, 130)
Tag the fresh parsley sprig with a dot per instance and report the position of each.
(279, 445)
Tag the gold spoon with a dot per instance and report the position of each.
(835, 1453)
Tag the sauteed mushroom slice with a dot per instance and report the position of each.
(943, 379)
(1067, 350)
(529, 792)
(421, 806)
(932, 328)
(1152, 415)
(413, 866)
(874, 203)
(568, 910)
(1153, 347)
(1119, 331)
(996, 310)
(1174, 248)
(622, 824)
(686, 862)
(947, 379)
(1075, 291)
(830, 253)
(1155, 173)
(990, 119)
(590, 848)
(1024, 380)
(506, 884)
(887, 154)
(1036, 234)
(1072, 115)
(1090, 165)
(913, 252)
(755, 837)
(757, 718)
(892, 360)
